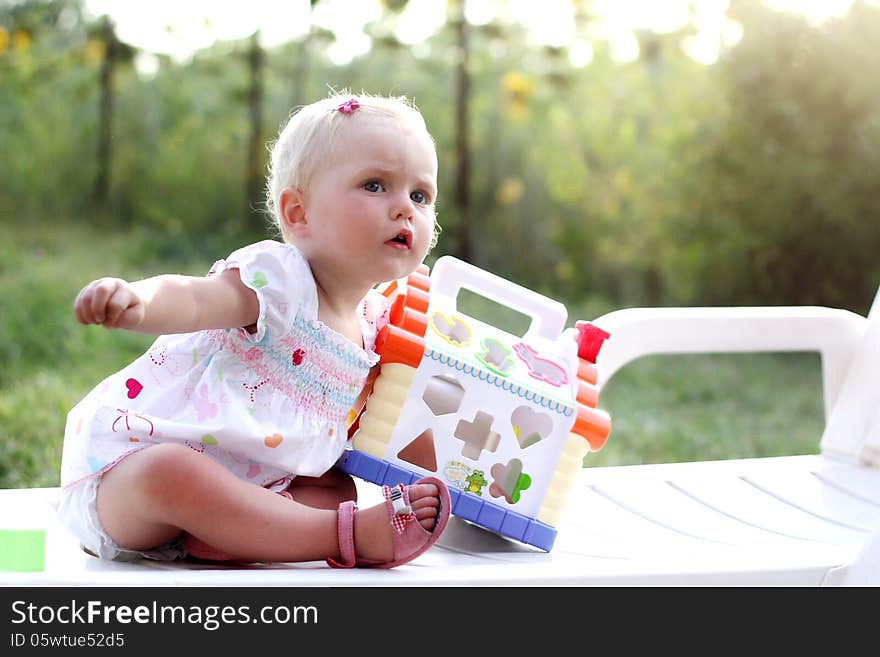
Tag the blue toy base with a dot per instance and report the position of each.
(464, 505)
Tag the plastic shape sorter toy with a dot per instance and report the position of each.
(505, 420)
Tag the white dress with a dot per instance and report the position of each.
(268, 406)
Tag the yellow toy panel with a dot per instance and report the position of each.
(505, 420)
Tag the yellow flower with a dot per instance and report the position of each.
(518, 88)
(509, 191)
(94, 50)
(564, 270)
(4, 39)
(21, 40)
(517, 85)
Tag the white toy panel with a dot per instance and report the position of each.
(489, 411)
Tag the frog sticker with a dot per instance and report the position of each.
(476, 482)
(465, 478)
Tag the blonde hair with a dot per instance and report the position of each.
(307, 139)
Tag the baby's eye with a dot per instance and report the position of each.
(419, 197)
(373, 186)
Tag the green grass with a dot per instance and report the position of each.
(675, 408)
(49, 361)
(716, 406)
(663, 408)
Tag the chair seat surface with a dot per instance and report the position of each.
(787, 521)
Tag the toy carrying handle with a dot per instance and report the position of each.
(450, 274)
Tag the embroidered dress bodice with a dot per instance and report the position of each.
(268, 405)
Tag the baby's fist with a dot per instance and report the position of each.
(110, 302)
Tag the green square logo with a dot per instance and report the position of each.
(22, 550)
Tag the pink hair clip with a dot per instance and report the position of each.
(349, 106)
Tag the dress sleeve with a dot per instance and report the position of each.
(282, 280)
(375, 311)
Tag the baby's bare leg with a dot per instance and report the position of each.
(153, 495)
(325, 492)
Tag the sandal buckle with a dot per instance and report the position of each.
(401, 508)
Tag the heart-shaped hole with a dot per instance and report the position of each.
(530, 426)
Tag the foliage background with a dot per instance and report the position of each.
(661, 181)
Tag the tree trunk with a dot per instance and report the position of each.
(256, 142)
(105, 116)
(462, 196)
(300, 75)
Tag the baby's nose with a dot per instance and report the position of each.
(402, 210)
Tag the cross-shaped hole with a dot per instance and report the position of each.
(477, 436)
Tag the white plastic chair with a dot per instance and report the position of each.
(806, 520)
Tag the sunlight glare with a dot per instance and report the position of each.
(624, 47)
(641, 15)
(710, 21)
(419, 20)
(198, 23)
(480, 12)
(351, 40)
(553, 25)
(146, 64)
(580, 53)
(815, 11)
(179, 29)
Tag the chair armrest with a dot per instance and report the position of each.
(637, 332)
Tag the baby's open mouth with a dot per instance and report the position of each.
(403, 238)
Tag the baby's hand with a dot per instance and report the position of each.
(110, 302)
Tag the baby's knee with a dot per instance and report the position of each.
(160, 468)
(170, 458)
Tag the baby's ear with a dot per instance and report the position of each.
(292, 212)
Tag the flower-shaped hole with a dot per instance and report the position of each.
(509, 480)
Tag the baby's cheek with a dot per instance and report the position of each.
(426, 238)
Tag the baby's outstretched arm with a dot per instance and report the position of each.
(168, 303)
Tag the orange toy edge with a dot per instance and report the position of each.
(402, 340)
(591, 423)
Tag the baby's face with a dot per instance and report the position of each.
(371, 208)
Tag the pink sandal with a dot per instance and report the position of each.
(410, 539)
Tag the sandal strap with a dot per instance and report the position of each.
(345, 536)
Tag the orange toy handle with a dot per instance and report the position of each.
(402, 340)
(592, 424)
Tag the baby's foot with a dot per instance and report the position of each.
(373, 530)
